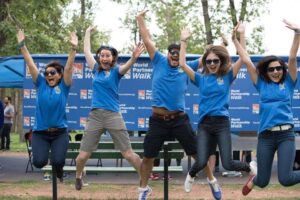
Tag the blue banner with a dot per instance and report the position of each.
(136, 93)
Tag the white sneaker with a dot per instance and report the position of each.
(188, 184)
(253, 167)
(144, 193)
(215, 188)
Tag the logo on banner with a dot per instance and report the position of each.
(26, 121)
(141, 94)
(82, 122)
(26, 93)
(33, 93)
(255, 108)
(195, 109)
(83, 94)
(141, 123)
(78, 70)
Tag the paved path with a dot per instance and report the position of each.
(13, 169)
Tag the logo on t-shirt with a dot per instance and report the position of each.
(281, 86)
(220, 81)
(57, 90)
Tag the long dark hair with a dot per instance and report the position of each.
(263, 64)
(113, 51)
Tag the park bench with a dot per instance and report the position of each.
(106, 150)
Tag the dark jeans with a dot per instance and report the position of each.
(284, 143)
(213, 131)
(43, 142)
(5, 136)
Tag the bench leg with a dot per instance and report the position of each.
(54, 184)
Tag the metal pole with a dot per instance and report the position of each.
(54, 184)
(166, 173)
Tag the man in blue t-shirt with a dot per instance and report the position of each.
(168, 119)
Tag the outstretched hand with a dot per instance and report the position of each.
(234, 31)
(241, 27)
(185, 34)
(138, 50)
(73, 40)
(20, 36)
(142, 14)
(91, 28)
(291, 26)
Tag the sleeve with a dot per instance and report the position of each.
(157, 58)
(39, 80)
(258, 83)
(194, 64)
(290, 80)
(96, 66)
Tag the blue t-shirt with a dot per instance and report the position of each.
(213, 94)
(106, 89)
(275, 105)
(169, 84)
(50, 105)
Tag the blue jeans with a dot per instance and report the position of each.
(43, 142)
(213, 131)
(284, 143)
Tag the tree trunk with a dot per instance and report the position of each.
(209, 38)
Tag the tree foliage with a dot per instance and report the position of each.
(46, 23)
(206, 19)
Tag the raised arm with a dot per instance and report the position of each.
(87, 47)
(292, 63)
(27, 57)
(137, 51)
(69, 65)
(145, 34)
(244, 56)
(240, 28)
(185, 35)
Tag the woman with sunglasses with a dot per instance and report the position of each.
(50, 128)
(275, 81)
(105, 113)
(214, 89)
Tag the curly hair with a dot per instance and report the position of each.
(223, 55)
(263, 64)
(113, 51)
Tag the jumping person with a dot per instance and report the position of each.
(105, 113)
(50, 128)
(275, 81)
(214, 124)
(168, 118)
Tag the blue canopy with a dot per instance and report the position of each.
(11, 72)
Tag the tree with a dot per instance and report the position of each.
(219, 16)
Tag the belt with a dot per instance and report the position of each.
(168, 117)
(53, 130)
(284, 127)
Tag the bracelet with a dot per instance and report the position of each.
(21, 44)
(183, 40)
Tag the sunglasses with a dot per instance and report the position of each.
(48, 73)
(277, 68)
(212, 61)
(174, 52)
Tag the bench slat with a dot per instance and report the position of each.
(113, 169)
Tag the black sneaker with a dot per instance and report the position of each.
(78, 184)
(60, 174)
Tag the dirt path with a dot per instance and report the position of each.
(102, 191)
